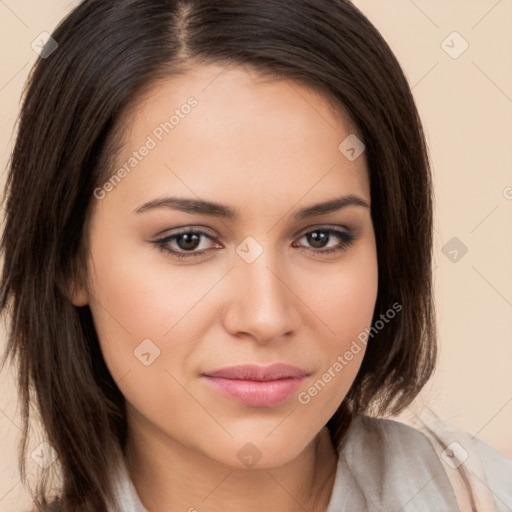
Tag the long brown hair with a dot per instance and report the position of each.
(68, 133)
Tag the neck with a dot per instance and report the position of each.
(170, 476)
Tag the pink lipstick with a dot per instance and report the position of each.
(257, 386)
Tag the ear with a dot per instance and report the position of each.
(77, 292)
(79, 296)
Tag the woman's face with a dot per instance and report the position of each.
(254, 287)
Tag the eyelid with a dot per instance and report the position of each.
(186, 228)
(338, 227)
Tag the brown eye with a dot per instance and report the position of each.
(188, 241)
(319, 238)
(185, 243)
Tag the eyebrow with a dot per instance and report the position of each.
(202, 207)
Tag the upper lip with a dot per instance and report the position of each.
(262, 373)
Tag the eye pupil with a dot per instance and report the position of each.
(191, 241)
(317, 239)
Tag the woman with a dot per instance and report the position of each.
(217, 252)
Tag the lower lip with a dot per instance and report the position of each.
(256, 393)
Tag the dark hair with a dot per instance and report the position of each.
(68, 134)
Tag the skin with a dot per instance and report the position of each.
(266, 149)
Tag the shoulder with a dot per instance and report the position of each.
(391, 445)
(497, 469)
(473, 469)
(386, 436)
(488, 471)
(386, 465)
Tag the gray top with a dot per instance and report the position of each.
(388, 466)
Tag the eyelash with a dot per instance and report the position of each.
(347, 238)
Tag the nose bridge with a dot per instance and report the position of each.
(262, 304)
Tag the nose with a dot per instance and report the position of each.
(262, 303)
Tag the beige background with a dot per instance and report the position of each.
(466, 107)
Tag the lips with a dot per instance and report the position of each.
(257, 386)
(259, 373)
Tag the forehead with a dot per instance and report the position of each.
(243, 133)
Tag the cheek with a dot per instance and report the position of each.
(139, 316)
(343, 302)
(345, 298)
(139, 307)
(351, 304)
(142, 289)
